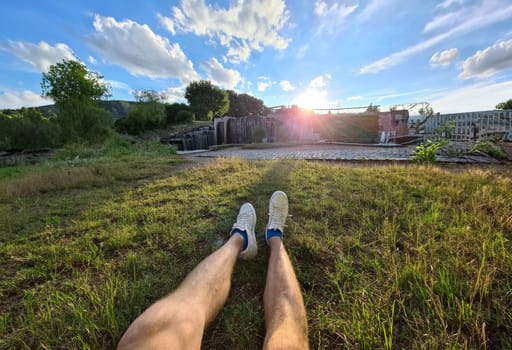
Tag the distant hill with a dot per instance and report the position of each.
(119, 109)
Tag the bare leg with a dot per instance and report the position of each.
(285, 315)
(178, 320)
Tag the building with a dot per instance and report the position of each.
(469, 126)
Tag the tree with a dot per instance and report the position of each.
(147, 114)
(179, 113)
(241, 105)
(75, 91)
(426, 112)
(505, 105)
(143, 95)
(371, 108)
(206, 99)
(27, 128)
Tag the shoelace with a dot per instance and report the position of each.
(277, 219)
(243, 219)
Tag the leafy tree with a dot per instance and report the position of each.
(27, 128)
(144, 95)
(147, 114)
(75, 91)
(179, 113)
(206, 99)
(505, 105)
(185, 116)
(241, 105)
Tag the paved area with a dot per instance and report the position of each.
(334, 152)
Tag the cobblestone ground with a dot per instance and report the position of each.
(326, 152)
(334, 152)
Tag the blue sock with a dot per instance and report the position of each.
(244, 236)
(274, 233)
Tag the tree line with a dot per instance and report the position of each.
(79, 117)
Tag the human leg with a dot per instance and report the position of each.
(178, 320)
(285, 314)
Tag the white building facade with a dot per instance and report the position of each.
(471, 125)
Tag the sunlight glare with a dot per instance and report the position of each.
(311, 99)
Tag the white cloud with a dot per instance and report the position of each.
(238, 52)
(26, 98)
(332, 17)
(446, 20)
(243, 27)
(175, 94)
(167, 23)
(302, 51)
(375, 8)
(286, 85)
(320, 81)
(444, 58)
(92, 60)
(447, 3)
(473, 98)
(264, 85)
(355, 98)
(139, 50)
(224, 77)
(40, 56)
(320, 7)
(118, 85)
(487, 62)
(495, 11)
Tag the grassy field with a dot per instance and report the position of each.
(388, 257)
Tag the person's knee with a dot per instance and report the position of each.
(181, 328)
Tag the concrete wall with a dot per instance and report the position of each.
(229, 130)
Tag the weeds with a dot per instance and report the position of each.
(426, 152)
(491, 148)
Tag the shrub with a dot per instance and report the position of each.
(81, 121)
(185, 116)
(27, 132)
(489, 147)
(175, 113)
(144, 116)
(426, 152)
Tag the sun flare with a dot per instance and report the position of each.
(311, 99)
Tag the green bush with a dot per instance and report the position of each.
(156, 147)
(178, 113)
(185, 116)
(489, 147)
(83, 122)
(144, 116)
(114, 146)
(426, 152)
(27, 130)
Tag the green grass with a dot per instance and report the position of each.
(388, 257)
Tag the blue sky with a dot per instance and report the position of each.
(455, 54)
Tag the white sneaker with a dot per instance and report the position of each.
(246, 221)
(277, 212)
